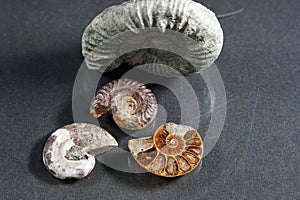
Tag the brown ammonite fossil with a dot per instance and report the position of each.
(70, 151)
(133, 105)
(174, 150)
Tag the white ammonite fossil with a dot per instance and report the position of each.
(174, 150)
(189, 18)
(70, 151)
(133, 105)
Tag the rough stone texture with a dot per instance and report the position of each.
(184, 16)
(257, 156)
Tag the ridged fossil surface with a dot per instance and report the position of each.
(191, 19)
(69, 151)
(133, 105)
(174, 150)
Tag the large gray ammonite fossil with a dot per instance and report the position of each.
(192, 19)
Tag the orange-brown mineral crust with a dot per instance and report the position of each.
(174, 150)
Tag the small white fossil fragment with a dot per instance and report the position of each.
(69, 151)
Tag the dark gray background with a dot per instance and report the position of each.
(256, 157)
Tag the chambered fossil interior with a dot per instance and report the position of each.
(174, 150)
(69, 151)
(104, 38)
(133, 105)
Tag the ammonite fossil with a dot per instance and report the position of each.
(133, 105)
(174, 150)
(191, 19)
(69, 151)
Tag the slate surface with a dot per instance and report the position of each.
(256, 157)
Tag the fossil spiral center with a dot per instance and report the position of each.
(127, 105)
(172, 142)
(169, 144)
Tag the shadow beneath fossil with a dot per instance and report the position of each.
(139, 180)
(146, 181)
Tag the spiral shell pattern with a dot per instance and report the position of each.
(174, 150)
(184, 16)
(133, 105)
(69, 151)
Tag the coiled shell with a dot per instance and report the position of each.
(174, 150)
(183, 16)
(69, 151)
(133, 105)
